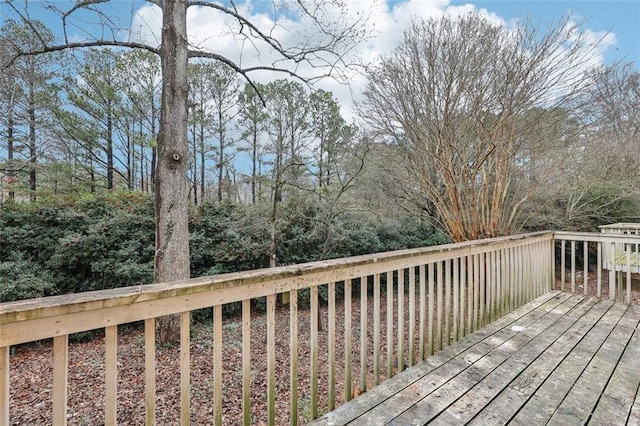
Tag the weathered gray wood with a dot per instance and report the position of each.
(481, 394)
(525, 377)
(454, 354)
(579, 403)
(217, 365)
(331, 343)
(389, 324)
(150, 371)
(4, 385)
(293, 358)
(185, 356)
(60, 371)
(438, 391)
(347, 341)
(616, 402)
(111, 375)
(376, 330)
(246, 362)
(544, 402)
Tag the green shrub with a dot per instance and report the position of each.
(22, 279)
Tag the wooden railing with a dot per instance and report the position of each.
(410, 304)
(602, 265)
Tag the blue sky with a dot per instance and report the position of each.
(388, 19)
(620, 17)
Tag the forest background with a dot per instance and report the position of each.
(276, 173)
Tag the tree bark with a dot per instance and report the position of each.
(172, 233)
(11, 173)
(32, 143)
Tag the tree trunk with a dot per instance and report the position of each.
(203, 158)
(32, 145)
(172, 233)
(11, 173)
(253, 166)
(109, 150)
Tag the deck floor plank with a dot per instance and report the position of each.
(446, 395)
(542, 405)
(561, 359)
(585, 393)
(526, 381)
(379, 394)
(577, 323)
(616, 402)
(445, 374)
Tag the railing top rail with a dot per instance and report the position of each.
(597, 237)
(621, 226)
(248, 284)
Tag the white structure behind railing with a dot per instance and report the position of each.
(589, 260)
(615, 257)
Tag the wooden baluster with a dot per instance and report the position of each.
(423, 316)
(463, 293)
(376, 329)
(4, 384)
(432, 297)
(412, 315)
(599, 272)
(612, 272)
(563, 264)
(217, 365)
(331, 343)
(447, 302)
(348, 367)
(271, 358)
(185, 387)
(439, 304)
(573, 267)
(628, 300)
(389, 324)
(150, 371)
(483, 288)
(314, 352)
(456, 298)
(400, 320)
(585, 246)
(246, 362)
(293, 356)
(60, 366)
(363, 334)
(111, 374)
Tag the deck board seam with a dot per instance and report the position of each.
(566, 317)
(545, 339)
(579, 347)
(362, 404)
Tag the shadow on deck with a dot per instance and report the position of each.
(562, 359)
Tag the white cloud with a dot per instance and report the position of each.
(217, 32)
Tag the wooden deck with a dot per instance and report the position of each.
(562, 359)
